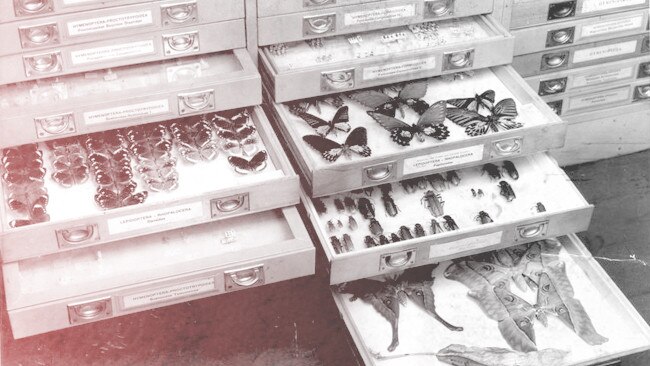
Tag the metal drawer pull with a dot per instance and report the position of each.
(532, 230)
(90, 310)
(337, 80)
(45, 63)
(194, 102)
(556, 106)
(644, 70)
(554, 60)
(561, 10)
(39, 35)
(319, 24)
(181, 43)
(230, 204)
(458, 60)
(553, 86)
(645, 45)
(55, 125)
(642, 92)
(397, 260)
(560, 37)
(179, 13)
(31, 7)
(508, 147)
(379, 174)
(309, 3)
(77, 235)
(245, 277)
(439, 8)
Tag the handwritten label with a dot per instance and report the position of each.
(399, 68)
(169, 293)
(611, 50)
(612, 26)
(379, 15)
(590, 6)
(602, 77)
(127, 112)
(110, 23)
(443, 160)
(99, 54)
(464, 245)
(154, 218)
(591, 100)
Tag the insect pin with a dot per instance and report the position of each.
(483, 218)
(383, 240)
(350, 205)
(539, 207)
(375, 227)
(389, 205)
(433, 202)
(352, 223)
(506, 191)
(453, 178)
(394, 238)
(405, 233)
(510, 168)
(366, 208)
(450, 224)
(492, 171)
(369, 241)
(419, 231)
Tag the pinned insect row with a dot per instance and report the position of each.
(494, 172)
(239, 140)
(195, 141)
(343, 245)
(337, 224)
(69, 164)
(151, 147)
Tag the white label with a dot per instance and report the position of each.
(110, 23)
(150, 219)
(612, 26)
(169, 293)
(611, 50)
(443, 160)
(127, 112)
(602, 77)
(591, 100)
(399, 68)
(379, 15)
(464, 245)
(99, 54)
(589, 6)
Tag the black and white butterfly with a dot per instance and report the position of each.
(475, 124)
(243, 166)
(410, 95)
(232, 119)
(429, 124)
(357, 141)
(323, 127)
(303, 105)
(485, 100)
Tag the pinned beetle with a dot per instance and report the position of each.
(352, 223)
(319, 205)
(336, 244)
(450, 224)
(405, 233)
(369, 241)
(394, 238)
(453, 178)
(436, 181)
(419, 231)
(483, 218)
(383, 240)
(492, 171)
(506, 191)
(389, 205)
(433, 202)
(350, 205)
(510, 168)
(435, 227)
(366, 208)
(375, 227)
(340, 207)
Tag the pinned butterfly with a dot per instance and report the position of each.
(356, 141)
(323, 128)
(499, 116)
(410, 95)
(429, 124)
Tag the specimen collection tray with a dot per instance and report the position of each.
(617, 328)
(541, 130)
(127, 96)
(90, 284)
(341, 63)
(181, 194)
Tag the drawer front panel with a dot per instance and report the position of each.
(17, 10)
(202, 195)
(579, 31)
(268, 8)
(131, 50)
(360, 18)
(582, 55)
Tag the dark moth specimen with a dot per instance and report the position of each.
(243, 166)
(484, 100)
(386, 296)
(501, 116)
(323, 127)
(357, 141)
(303, 105)
(410, 95)
(429, 124)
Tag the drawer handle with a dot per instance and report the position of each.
(561, 10)
(556, 106)
(337, 80)
(553, 86)
(560, 37)
(246, 278)
(644, 70)
(42, 64)
(554, 60)
(180, 13)
(379, 174)
(642, 92)
(55, 125)
(181, 43)
(439, 8)
(29, 7)
(78, 234)
(458, 60)
(230, 204)
(532, 230)
(397, 260)
(39, 35)
(319, 24)
(508, 147)
(309, 3)
(197, 101)
(90, 310)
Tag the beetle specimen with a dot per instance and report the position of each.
(394, 238)
(366, 208)
(479, 193)
(435, 227)
(385, 189)
(509, 167)
(450, 224)
(409, 185)
(330, 226)
(405, 233)
(369, 241)
(389, 205)
(347, 243)
(491, 170)
(506, 191)
(349, 204)
(319, 205)
(336, 244)
(453, 178)
(383, 240)
(483, 218)
(368, 191)
(433, 202)
(375, 227)
(540, 207)
(419, 231)
(473, 192)
(340, 207)
(437, 182)
(352, 223)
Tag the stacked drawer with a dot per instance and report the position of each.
(589, 61)
(136, 185)
(418, 144)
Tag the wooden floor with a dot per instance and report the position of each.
(296, 322)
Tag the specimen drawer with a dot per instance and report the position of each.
(389, 161)
(102, 24)
(267, 8)
(593, 321)
(92, 192)
(591, 77)
(581, 55)
(126, 50)
(341, 63)
(68, 289)
(120, 97)
(580, 31)
(468, 216)
(526, 13)
(362, 18)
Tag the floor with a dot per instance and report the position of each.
(297, 323)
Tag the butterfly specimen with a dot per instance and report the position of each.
(303, 105)
(243, 166)
(485, 100)
(410, 95)
(429, 124)
(195, 141)
(323, 128)
(501, 116)
(68, 162)
(357, 141)
(237, 133)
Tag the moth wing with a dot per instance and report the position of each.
(258, 159)
(371, 98)
(239, 162)
(414, 90)
(340, 120)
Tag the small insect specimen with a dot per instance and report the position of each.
(422, 182)
(323, 128)
(331, 227)
(453, 178)
(501, 116)
(539, 207)
(366, 208)
(389, 205)
(483, 100)
(340, 207)
(383, 240)
(347, 243)
(479, 193)
(483, 218)
(369, 241)
(357, 141)
(510, 168)
(385, 189)
(243, 166)
(350, 205)
(375, 227)
(411, 95)
(450, 224)
(473, 192)
(336, 244)
(394, 238)
(357, 191)
(436, 181)
(405, 233)
(409, 185)
(315, 43)
(352, 223)
(506, 191)
(319, 205)
(419, 231)
(278, 49)
(429, 124)
(491, 170)
(433, 202)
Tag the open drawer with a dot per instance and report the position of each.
(177, 193)
(342, 63)
(103, 100)
(608, 327)
(267, 8)
(363, 17)
(390, 162)
(454, 220)
(67, 289)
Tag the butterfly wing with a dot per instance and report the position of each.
(486, 99)
(330, 150)
(378, 101)
(506, 108)
(430, 123)
(341, 119)
(357, 141)
(474, 123)
(258, 160)
(315, 122)
(400, 132)
(414, 90)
